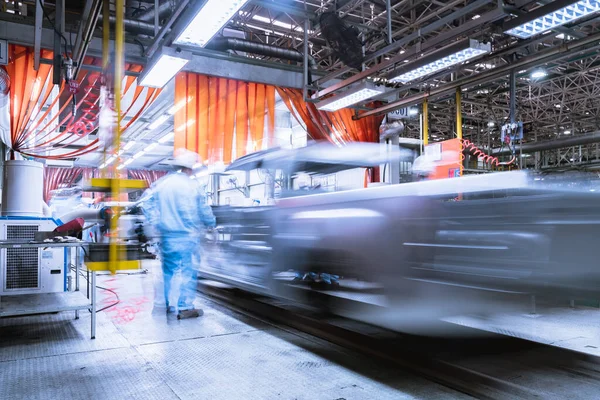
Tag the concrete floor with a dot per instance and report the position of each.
(576, 328)
(143, 354)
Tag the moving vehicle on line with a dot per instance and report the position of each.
(415, 253)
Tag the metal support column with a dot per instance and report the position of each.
(459, 124)
(305, 61)
(93, 304)
(388, 8)
(425, 122)
(116, 182)
(37, 33)
(59, 25)
(513, 97)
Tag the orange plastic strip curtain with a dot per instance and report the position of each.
(270, 95)
(221, 118)
(201, 128)
(241, 122)
(322, 125)
(31, 132)
(231, 103)
(180, 116)
(219, 115)
(213, 95)
(192, 109)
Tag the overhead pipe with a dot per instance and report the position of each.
(553, 145)
(228, 43)
(133, 26)
(164, 9)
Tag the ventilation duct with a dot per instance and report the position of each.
(228, 43)
(133, 26)
(164, 10)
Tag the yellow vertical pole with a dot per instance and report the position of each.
(425, 122)
(459, 132)
(459, 125)
(118, 76)
(105, 56)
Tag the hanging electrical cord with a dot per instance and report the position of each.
(476, 151)
(117, 301)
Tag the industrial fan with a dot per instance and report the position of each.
(342, 39)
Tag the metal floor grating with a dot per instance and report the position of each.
(221, 355)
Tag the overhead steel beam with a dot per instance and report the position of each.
(526, 62)
(552, 145)
(220, 65)
(415, 35)
(21, 34)
(487, 18)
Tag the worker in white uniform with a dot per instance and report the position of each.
(178, 211)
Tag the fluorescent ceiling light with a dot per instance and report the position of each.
(209, 19)
(447, 57)
(549, 17)
(129, 145)
(163, 68)
(413, 111)
(110, 160)
(352, 96)
(150, 147)
(129, 161)
(538, 74)
(166, 138)
(491, 124)
(180, 104)
(158, 122)
(138, 155)
(567, 132)
(120, 167)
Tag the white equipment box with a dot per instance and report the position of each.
(30, 270)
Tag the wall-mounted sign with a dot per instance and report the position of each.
(3, 52)
(403, 113)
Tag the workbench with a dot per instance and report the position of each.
(42, 303)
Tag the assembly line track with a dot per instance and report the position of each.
(435, 359)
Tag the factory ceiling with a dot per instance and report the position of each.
(352, 40)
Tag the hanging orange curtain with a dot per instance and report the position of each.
(221, 107)
(241, 122)
(231, 103)
(32, 134)
(338, 126)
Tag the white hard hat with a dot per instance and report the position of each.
(185, 158)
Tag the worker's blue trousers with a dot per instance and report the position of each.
(177, 255)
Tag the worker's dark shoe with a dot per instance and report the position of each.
(193, 313)
(171, 310)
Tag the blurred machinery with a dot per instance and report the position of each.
(430, 255)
